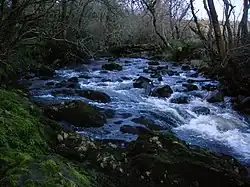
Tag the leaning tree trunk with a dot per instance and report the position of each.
(217, 31)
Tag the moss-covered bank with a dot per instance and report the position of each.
(35, 151)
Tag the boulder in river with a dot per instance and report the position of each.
(139, 130)
(179, 99)
(95, 95)
(209, 87)
(112, 66)
(148, 123)
(74, 85)
(215, 96)
(185, 67)
(141, 82)
(201, 110)
(243, 104)
(73, 79)
(190, 87)
(153, 63)
(77, 113)
(163, 91)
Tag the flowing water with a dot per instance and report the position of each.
(223, 130)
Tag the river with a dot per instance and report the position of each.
(222, 130)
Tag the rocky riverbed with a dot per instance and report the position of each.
(130, 116)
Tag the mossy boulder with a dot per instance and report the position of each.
(95, 95)
(77, 113)
(163, 160)
(112, 66)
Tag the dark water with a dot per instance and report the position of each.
(223, 130)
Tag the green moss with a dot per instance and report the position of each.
(25, 138)
(19, 129)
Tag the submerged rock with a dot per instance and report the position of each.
(180, 99)
(154, 63)
(185, 67)
(77, 113)
(112, 66)
(215, 96)
(209, 87)
(73, 79)
(190, 87)
(164, 91)
(139, 130)
(148, 123)
(95, 95)
(141, 82)
(201, 110)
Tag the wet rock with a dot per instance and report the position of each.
(64, 91)
(196, 74)
(45, 71)
(164, 160)
(243, 104)
(104, 71)
(77, 113)
(61, 84)
(141, 82)
(73, 79)
(179, 99)
(74, 85)
(164, 91)
(185, 67)
(160, 78)
(162, 67)
(171, 72)
(155, 75)
(109, 113)
(190, 87)
(50, 83)
(209, 87)
(148, 123)
(153, 63)
(112, 66)
(126, 78)
(118, 122)
(201, 110)
(95, 95)
(135, 130)
(215, 96)
(84, 77)
(125, 115)
(106, 80)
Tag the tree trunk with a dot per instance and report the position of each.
(243, 30)
(217, 31)
(63, 18)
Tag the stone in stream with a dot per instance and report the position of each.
(50, 83)
(153, 63)
(185, 67)
(106, 80)
(64, 91)
(190, 87)
(77, 113)
(215, 96)
(196, 74)
(242, 104)
(74, 85)
(84, 76)
(112, 66)
(95, 95)
(163, 91)
(141, 82)
(138, 130)
(179, 99)
(201, 110)
(73, 79)
(148, 123)
(162, 67)
(209, 87)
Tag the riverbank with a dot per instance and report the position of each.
(36, 151)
